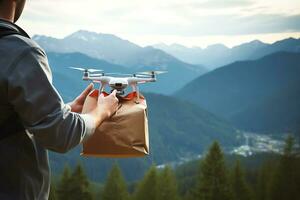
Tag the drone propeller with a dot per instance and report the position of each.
(117, 73)
(86, 70)
(97, 74)
(103, 74)
(152, 72)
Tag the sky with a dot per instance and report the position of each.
(187, 22)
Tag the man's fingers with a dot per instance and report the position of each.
(101, 95)
(89, 88)
(86, 91)
(114, 92)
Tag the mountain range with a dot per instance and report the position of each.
(218, 55)
(178, 129)
(259, 95)
(133, 58)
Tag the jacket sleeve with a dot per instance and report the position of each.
(39, 105)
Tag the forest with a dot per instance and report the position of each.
(213, 177)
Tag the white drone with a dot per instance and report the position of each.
(117, 82)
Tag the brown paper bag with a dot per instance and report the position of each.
(125, 134)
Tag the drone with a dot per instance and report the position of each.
(118, 81)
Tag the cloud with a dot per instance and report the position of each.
(156, 17)
(220, 25)
(222, 4)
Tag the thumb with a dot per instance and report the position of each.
(100, 98)
(101, 94)
(114, 93)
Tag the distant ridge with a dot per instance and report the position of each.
(260, 95)
(219, 55)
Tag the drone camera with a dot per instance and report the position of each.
(118, 84)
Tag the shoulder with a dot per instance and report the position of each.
(19, 50)
(17, 44)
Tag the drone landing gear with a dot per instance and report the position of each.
(101, 88)
(136, 89)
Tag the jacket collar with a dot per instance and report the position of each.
(11, 27)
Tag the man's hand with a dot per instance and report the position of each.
(109, 104)
(77, 104)
(105, 108)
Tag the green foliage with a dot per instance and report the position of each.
(115, 187)
(271, 177)
(240, 188)
(75, 186)
(167, 184)
(263, 180)
(186, 178)
(157, 186)
(286, 179)
(52, 193)
(63, 190)
(80, 184)
(213, 183)
(148, 187)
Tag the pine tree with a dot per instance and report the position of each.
(115, 187)
(79, 186)
(213, 183)
(263, 180)
(75, 186)
(63, 189)
(148, 187)
(167, 185)
(52, 193)
(240, 188)
(285, 183)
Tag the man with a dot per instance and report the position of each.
(33, 117)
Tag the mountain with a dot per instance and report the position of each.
(219, 55)
(189, 55)
(102, 46)
(122, 52)
(178, 129)
(276, 113)
(254, 95)
(288, 45)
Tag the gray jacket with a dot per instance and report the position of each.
(27, 92)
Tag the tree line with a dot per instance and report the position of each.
(275, 179)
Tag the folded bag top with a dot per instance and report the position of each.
(123, 135)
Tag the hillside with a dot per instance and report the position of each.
(276, 113)
(242, 90)
(177, 129)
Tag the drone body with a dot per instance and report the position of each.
(119, 83)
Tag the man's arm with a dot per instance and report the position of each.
(41, 108)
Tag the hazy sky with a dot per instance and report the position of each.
(188, 22)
